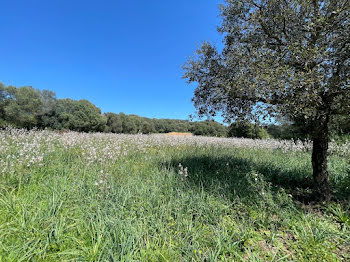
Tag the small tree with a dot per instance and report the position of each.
(279, 57)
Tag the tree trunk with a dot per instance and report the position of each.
(319, 158)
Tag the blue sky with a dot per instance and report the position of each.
(123, 56)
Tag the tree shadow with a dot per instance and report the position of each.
(227, 176)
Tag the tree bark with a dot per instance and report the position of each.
(319, 158)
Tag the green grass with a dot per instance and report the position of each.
(235, 205)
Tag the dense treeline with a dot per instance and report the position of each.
(132, 124)
(26, 107)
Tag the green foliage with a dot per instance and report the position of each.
(279, 57)
(48, 99)
(247, 130)
(114, 123)
(148, 127)
(340, 125)
(287, 131)
(74, 115)
(132, 124)
(208, 128)
(23, 106)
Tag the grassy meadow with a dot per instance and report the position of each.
(106, 197)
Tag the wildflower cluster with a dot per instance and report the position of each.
(102, 180)
(183, 172)
(22, 148)
(257, 183)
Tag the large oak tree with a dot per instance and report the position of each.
(285, 57)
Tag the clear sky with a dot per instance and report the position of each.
(123, 56)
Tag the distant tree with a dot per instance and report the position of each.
(208, 128)
(129, 125)
(181, 126)
(286, 57)
(218, 129)
(247, 130)
(137, 123)
(148, 127)
(23, 106)
(170, 126)
(159, 125)
(75, 115)
(199, 130)
(114, 123)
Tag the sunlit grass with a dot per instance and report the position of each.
(85, 202)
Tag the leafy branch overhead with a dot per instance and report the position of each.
(286, 57)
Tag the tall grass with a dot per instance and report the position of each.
(85, 197)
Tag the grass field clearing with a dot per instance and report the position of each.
(107, 197)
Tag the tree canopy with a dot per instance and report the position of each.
(74, 115)
(288, 58)
(22, 106)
